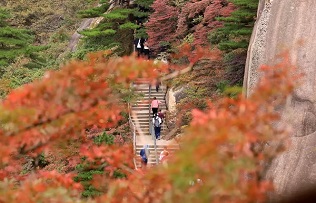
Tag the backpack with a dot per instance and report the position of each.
(156, 122)
(142, 153)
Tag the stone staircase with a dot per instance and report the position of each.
(152, 155)
(141, 118)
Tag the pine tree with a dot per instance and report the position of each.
(237, 27)
(94, 12)
(14, 42)
(118, 27)
(234, 36)
(141, 14)
(115, 30)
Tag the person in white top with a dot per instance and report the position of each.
(157, 125)
(163, 154)
(139, 46)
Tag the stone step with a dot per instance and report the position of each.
(145, 96)
(146, 89)
(147, 133)
(142, 111)
(151, 148)
(148, 100)
(153, 88)
(143, 117)
(144, 105)
(146, 108)
(143, 122)
(153, 91)
(147, 104)
(140, 120)
(146, 129)
(146, 125)
(146, 86)
(138, 108)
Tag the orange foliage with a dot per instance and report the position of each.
(224, 150)
(222, 154)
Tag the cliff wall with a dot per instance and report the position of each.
(289, 25)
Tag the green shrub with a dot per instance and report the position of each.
(94, 12)
(104, 139)
(221, 86)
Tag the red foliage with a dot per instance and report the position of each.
(223, 147)
(223, 151)
(103, 154)
(207, 10)
(162, 23)
(196, 54)
(169, 23)
(66, 102)
(41, 187)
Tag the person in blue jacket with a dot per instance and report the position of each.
(144, 153)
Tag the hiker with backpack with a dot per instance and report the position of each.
(144, 153)
(155, 105)
(157, 126)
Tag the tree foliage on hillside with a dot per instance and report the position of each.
(20, 61)
(234, 36)
(48, 25)
(117, 29)
(14, 42)
(226, 24)
(87, 169)
(199, 18)
(237, 27)
(162, 24)
(223, 147)
(174, 21)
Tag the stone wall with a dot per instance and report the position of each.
(283, 25)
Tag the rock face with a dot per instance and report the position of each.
(284, 25)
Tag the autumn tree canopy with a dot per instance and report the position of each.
(162, 23)
(223, 148)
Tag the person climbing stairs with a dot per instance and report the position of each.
(141, 116)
